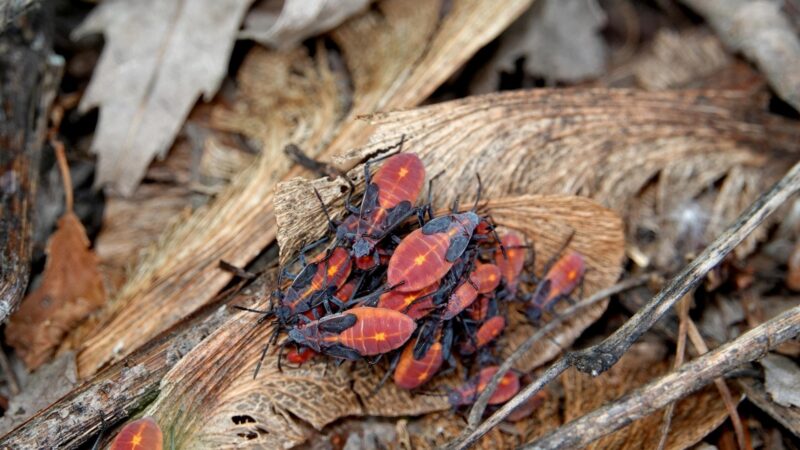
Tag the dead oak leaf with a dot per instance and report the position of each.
(286, 23)
(71, 289)
(158, 58)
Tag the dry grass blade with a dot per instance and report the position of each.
(221, 403)
(181, 274)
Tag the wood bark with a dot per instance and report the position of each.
(29, 75)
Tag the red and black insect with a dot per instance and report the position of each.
(487, 332)
(416, 305)
(387, 202)
(355, 333)
(512, 261)
(142, 434)
(467, 393)
(558, 284)
(484, 279)
(315, 286)
(412, 372)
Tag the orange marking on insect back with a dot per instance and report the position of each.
(404, 267)
(142, 434)
(565, 274)
(486, 277)
(410, 303)
(399, 179)
(376, 331)
(513, 261)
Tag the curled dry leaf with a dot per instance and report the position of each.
(395, 55)
(761, 31)
(694, 417)
(158, 58)
(221, 402)
(558, 41)
(780, 379)
(71, 289)
(286, 23)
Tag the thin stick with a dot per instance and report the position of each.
(680, 352)
(479, 407)
(601, 357)
(63, 167)
(691, 377)
(724, 392)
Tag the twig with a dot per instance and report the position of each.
(479, 407)
(724, 392)
(680, 352)
(601, 357)
(689, 378)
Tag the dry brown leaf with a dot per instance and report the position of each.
(760, 30)
(694, 416)
(606, 144)
(159, 57)
(676, 59)
(71, 289)
(780, 379)
(213, 384)
(286, 23)
(182, 273)
(558, 41)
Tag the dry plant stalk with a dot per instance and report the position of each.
(213, 385)
(601, 357)
(396, 58)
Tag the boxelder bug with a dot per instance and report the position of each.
(413, 372)
(484, 279)
(467, 393)
(357, 332)
(142, 434)
(512, 262)
(559, 282)
(487, 332)
(414, 304)
(388, 201)
(307, 292)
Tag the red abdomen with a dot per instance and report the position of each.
(487, 332)
(376, 331)
(565, 274)
(411, 373)
(460, 299)
(410, 303)
(486, 277)
(399, 179)
(419, 261)
(299, 355)
(142, 434)
(514, 260)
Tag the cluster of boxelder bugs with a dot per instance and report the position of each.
(395, 282)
